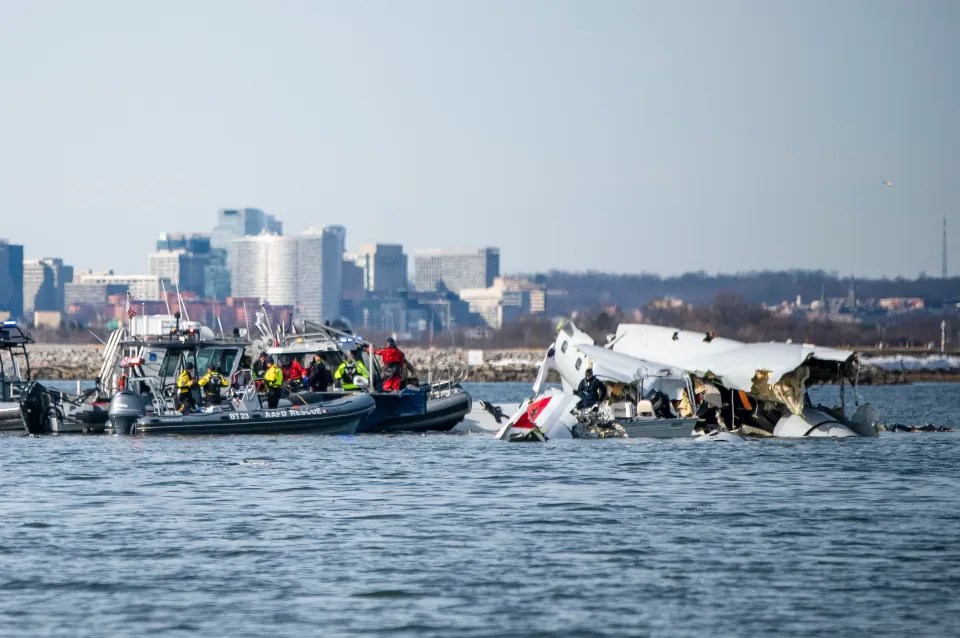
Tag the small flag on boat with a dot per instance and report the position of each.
(131, 312)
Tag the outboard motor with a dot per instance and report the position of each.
(35, 408)
(125, 408)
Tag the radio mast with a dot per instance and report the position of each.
(944, 270)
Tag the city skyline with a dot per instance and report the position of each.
(621, 137)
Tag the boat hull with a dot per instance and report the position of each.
(657, 428)
(340, 416)
(408, 410)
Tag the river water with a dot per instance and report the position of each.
(463, 535)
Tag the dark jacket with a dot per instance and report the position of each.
(320, 377)
(591, 391)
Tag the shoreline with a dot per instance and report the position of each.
(82, 362)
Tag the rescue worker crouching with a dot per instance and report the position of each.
(185, 384)
(273, 378)
(348, 370)
(590, 390)
(212, 383)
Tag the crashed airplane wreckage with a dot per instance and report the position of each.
(643, 399)
(666, 383)
(756, 388)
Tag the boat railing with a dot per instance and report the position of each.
(444, 375)
(110, 356)
(244, 393)
(161, 403)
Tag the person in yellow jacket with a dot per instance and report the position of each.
(212, 383)
(349, 369)
(185, 383)
(273, 378)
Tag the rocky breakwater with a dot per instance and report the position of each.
(65, 361)
(480, 365)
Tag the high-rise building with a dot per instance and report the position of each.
(304, 271)
(11, 279)
(180, 268)
(384, 267)
(44, 282)
(234, 223)
(455, 269)
(197, 243)
(216, 275)
(334, 243)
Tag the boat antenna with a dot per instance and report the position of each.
(219, 323)
(266, 314)
(165, 299)
(183, 307)
(246, 319)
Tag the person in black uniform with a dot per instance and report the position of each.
(590, 390)
(320, 377)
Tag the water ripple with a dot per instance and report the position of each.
(468, 536)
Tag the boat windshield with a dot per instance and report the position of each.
(222, 358)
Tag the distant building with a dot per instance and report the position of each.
(668, 303)
(902, 304)
(11, 279)
(48, 319)
(180, 268)
(304, 271)
(197, 243)
(140, 287)
(234, 223)
(455, 269)
(351, 287)
(505, 301)
(44, 282)
(216, 275)
(413, 315)
(90, 294)
(384, 267)
(333, 242)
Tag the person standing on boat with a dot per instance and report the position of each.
(394, 365)
(185, 383)
(260, 366)
(273, 378)
(348, 370)
(590, 390)
(212, 382)
(320, 378)
(294, 374)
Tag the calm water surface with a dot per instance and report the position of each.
(447, 535)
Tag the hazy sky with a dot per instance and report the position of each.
(622, 136)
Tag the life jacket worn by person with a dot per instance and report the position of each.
(212, 383)
(273, 377)
(346, 372)
(185, 383)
